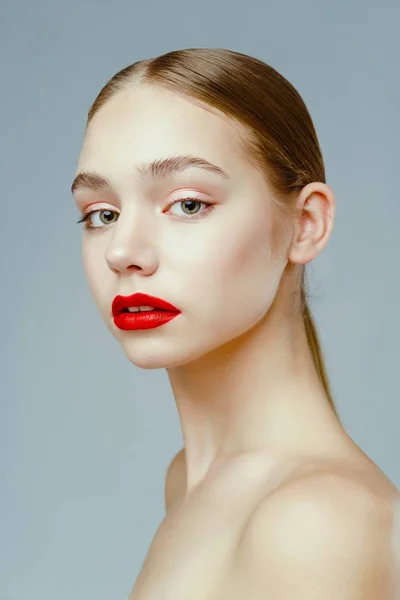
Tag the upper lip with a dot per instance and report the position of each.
(139, 299)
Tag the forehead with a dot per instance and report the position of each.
(147, 122)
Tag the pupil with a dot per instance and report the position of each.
(107, 215)
(190, 204)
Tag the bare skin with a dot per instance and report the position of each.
(261, 441)
(196, 552)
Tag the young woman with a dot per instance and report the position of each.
(202, 191)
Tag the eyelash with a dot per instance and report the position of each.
(85, 217)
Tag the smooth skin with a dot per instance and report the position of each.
(270, 497)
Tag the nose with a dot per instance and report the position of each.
(131, 249)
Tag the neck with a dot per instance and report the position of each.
(259, 393)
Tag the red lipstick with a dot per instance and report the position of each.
(161, 312)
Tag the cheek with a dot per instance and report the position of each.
(233, 269)
(246, 253)
(245, 274)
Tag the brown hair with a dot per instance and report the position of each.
(279, 135)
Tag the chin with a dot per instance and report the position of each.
(147, 353)
(148, 349)
(148, 360)
(161, 359)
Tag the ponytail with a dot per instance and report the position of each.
(316, 351)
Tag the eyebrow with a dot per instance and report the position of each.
(156, 169)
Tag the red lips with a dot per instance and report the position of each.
(122, 302)
(163, 312)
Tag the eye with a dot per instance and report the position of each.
(106, 218)
(189, 206)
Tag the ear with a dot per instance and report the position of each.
(316, 211)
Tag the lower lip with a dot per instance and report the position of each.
(143, 320)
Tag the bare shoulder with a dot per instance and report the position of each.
(327, 534)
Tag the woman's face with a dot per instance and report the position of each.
(201, 240)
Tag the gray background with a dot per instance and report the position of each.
(86, 436)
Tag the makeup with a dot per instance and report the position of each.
(141, 311)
